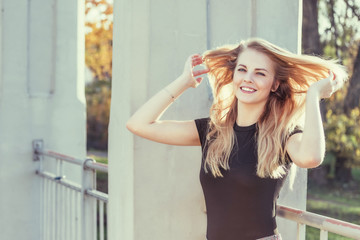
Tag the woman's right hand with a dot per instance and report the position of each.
(146, 122)
(193, 76)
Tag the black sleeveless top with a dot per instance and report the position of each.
(240, 205)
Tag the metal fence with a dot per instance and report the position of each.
(325, 224)
(72, 211)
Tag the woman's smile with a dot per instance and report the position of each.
(247, 90)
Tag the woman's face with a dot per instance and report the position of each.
(253, 77)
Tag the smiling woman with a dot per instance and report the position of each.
(253, 134)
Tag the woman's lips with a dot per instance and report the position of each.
(247, 89)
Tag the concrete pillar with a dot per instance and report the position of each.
(41, 97)
(279, 21)
(154, 189)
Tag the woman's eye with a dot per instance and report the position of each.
(261, 74)
(242, 70)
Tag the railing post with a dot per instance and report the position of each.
(88, 205)
(38, 146)
(300, 229)
(323, 234)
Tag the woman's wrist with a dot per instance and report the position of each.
(313, 93)
(186, 81)
(176, 88)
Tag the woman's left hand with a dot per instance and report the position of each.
(307, 150)
(326, 86)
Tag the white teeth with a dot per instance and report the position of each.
(248, 89)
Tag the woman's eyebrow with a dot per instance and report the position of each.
(263, 69)
(257, 69)
(242, 65)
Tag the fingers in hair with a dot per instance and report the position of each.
(200, 72)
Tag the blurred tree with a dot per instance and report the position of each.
(343, 137)
(98, 97)
(98, 40)
(338, 22)
(98, 58)
(98, 48)
(310, 28)
(310, 35)
(342, 42)
(352, 99)
(340, 28)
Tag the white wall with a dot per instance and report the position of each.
(1, 20)
(41, 97)
(154, 189)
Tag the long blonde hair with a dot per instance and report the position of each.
(283, 109)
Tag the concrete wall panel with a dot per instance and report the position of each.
(1, 47)
(229, 22)
(40, 50)
(145, 60)
(16, 165)
(130, 53)
(41, 33)
(279, 22)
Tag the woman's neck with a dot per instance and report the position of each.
(248, 114)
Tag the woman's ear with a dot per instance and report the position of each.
(275, 86)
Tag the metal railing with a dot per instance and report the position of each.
(70, 210)
(325, 224)
(74, 211)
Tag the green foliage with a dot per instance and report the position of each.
(336, 202)
(343, 135)
(356, 174)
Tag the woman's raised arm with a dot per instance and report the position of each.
(145, 121)
(307, 150)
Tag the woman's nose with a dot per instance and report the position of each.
(248, 77)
